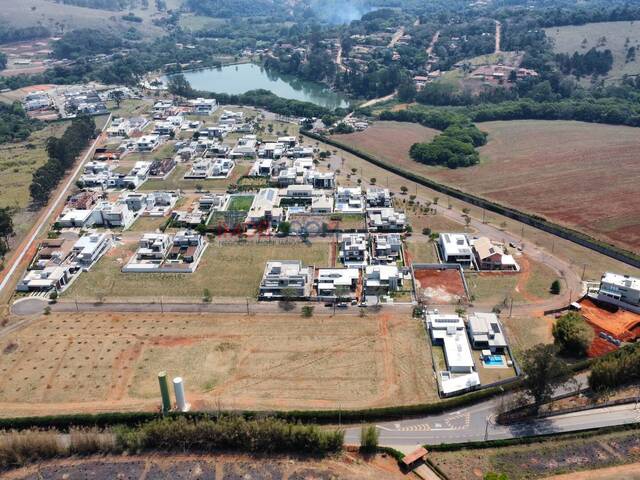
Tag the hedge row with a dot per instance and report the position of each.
(64, 422)
(541, 223)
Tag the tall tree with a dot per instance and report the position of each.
(544, 372)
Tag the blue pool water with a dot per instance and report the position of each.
(494, 360)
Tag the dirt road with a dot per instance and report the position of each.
(498, 34)
(396, 36)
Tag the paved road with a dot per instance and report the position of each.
(19, 255)
(475, 423)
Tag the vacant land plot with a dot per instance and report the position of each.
(530, 285)
(240, 203)
(440, 286)
(389, 141)
(346, 466)
(176, 180)
(420, 250)
(94, 362)
(539, 460)
(615, 36)
(581, 175)
(226, 270)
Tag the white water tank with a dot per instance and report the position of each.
(181, 402)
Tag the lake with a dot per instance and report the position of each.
(236, 79)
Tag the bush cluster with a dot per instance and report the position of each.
(236, 433)
(616, 369)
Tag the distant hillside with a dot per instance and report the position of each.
(105, 4)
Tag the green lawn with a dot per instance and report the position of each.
(240, 203)
(225, 270)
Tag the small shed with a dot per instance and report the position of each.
(412, 460)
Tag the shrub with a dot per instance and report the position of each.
(555, 287)
(307, 311)
(20, 448)
(369, 438)
(265, 435)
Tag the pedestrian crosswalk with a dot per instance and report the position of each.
(454, 422)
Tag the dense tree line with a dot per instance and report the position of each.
(590, 63)
(453, 148)
(6, 230)
(104, 4)
(85, 41)
(62, 153)
(231, 433)
(595, 110)
(9, 33)
(14, 123)
(616, 369)
(3, 61)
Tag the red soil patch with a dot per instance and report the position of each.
(619, 323)
(443, 285)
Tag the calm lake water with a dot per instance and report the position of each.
(235, 79)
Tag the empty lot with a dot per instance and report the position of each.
(577, 174)
(88, 362)
(227, 270)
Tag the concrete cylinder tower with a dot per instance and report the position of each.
(181, 402)
(164, 392)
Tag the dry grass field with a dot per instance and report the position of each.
(569, 39)
(99, 362)
(176, 180)
(539, 460)
(579, 257)
(576, 174)
(226, 270)
(389, 141)
(56, 16)
(346, 466)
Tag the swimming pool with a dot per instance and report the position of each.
(493, 360)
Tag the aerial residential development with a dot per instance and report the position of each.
(295, 240)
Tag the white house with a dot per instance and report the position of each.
(285, 277)
(485, 332)
(622, 290)
(337, 282)
(386, 248)
(353, 249)
(381, 279)
(448, 330)
(147, 143)
(455, 248)
(264, 208)
(349, 200)
(89, 248)
(378, 197)
(386, 219)
(203, 106)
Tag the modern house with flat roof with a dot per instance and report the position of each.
(449, 331)
(381, 279)
(89, 248)
(285, 277)
(349, 200)
(264, 208)
(455, 248)
(353, 249)
(485, 332)
(332, 283)
(378, 197)
(621, 290)
(386, 219)
(386, 248)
